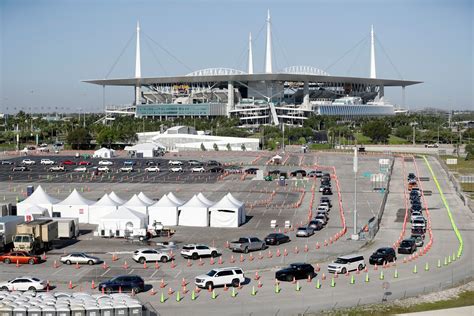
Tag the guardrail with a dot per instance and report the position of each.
(457, 186)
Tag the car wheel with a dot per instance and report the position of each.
(209, 285)
(141, 260)
(277, 242)
(108, 290)
(235, 282)
(246, 250)
(4, 288)
(214, 254)
(263, 247)
(68, 262)
(31, 261)
(195, 256)
(90, 262)
(136, 290)
(32, 288)
(289, 278)
(360, 267)
(164, 259)
(7, 261)
(343, 271)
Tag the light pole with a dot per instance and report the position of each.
(413, 124)
(355, 236)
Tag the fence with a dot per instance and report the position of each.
(457, 186)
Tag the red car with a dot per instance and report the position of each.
(22, 257)
(68, 163)
(84, 163)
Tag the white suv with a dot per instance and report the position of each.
(196, 251)
(347, 263)
(175, 163)
(218, 277)
(28, 162)
(146, 255)
(47, 162)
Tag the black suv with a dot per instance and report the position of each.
(123, 283)
(327, 191)
(251, 170)
(382, 255)
(408, 246)
(296, 172)
(325, 199)
(276, 239)
(295, 271)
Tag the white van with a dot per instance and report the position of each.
(347, 263)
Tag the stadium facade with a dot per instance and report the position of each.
(288, 96)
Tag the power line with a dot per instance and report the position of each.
(168, 52)
(121, 53)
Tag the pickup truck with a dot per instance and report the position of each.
(56, 169)
(246, 244)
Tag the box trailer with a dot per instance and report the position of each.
(68, 227)
(8, 229)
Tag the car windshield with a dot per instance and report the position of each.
(405, 243)
(380, 251)
(271, 236)
(211, 273)
(35, 279)
(188, 248)
(302, 229)
(340, 260)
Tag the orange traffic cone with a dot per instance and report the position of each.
(93, 285)
(70, 285)
(17, 264)
(257, 277)
(144, 265)
(162, 283)
(259, 285)
(157, 266)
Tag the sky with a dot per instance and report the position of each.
(48, 46)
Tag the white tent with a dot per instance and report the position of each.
(102, 207)
(123, 221)
(205, 199)
(276, 159)
(164, 211)
(225, 213)
(137, 205)
(145, 150)
(194, 213)
(243, 213)
(116, 198)
(175, 199)
(142, 196)
(104, 153)
(38, 198)
(75, 205)
(35, 212)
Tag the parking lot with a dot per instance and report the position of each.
(265, 201)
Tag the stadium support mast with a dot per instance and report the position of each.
(268, 51)
(372, 54)
(138, 71)
(250, 70)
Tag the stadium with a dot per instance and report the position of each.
(287, 96)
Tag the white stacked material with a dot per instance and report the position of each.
(38, 198)
(123, 221)
(116, 198)
(34, 212)
(142, 196)
(226, 213)
(102, 207)
(164, 211)
(75, 206)
(194, 213)
(136, 204)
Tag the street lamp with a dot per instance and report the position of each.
(413, 124)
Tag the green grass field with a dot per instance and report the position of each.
(464, 167)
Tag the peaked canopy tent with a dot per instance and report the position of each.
(175, 198)
(116, 198)
(35, 212)
(38, 198)
(142, 196)
(226, 213)
(136, 204)
(123, 221)
(205, 199)
(75, 205)
(102, 207)
(104, 153)
(164, 211)
(243, 213)
(194, 213)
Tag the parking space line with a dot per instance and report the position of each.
(105, 272)
(179, 272)
(156, 271)
(57, 271)
(129, 272)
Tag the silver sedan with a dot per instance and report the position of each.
(305, 231)
(80, 258)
